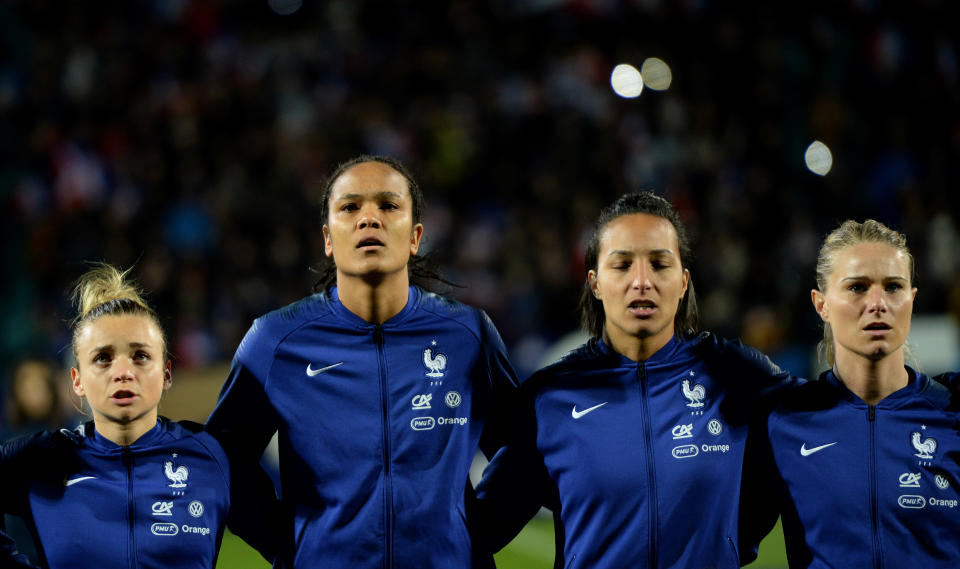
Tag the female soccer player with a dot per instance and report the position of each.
(869, 455)
(381, 391)
(636, 439)
(130, 488)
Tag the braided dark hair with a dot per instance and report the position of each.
(423, 271)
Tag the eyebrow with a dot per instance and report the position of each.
(866, 278)
(110, 348)
(381, 194)
(658, 252)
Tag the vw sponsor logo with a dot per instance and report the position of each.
(422, 423)
(910, 480)
(683, 431)
(942, 482)
(164, 528)
(452, 399)
(715, 427)
(685, 451)
(912, 502)
(195, 508)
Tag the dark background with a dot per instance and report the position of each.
(191, 139)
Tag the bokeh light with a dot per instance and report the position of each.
(285, 7)
(626, 81)
(656, 74)
(818, 158)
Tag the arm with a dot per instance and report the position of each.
(8, 553)
(515, 484)
(760, 489)
(504, 383)
(243, 423)
(757, 384)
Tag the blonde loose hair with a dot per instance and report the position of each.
(852, 233)
(105, 290)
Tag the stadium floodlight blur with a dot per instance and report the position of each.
(626, 81)
(285, 7)
(818, 158)
(656, 74)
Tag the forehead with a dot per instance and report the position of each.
(871, 259)
(119, 330)
(639, 232)
(369, 177)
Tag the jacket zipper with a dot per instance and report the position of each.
(874, 508)
(132, 552)
(388, 480)
(651, 469)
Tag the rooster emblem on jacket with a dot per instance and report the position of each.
(178, 477)
(925, 447)
(694, 394)
(435, 363)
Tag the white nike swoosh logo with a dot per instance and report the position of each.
(313, 372)
(577, 414)
(808, 451)
(73, 481)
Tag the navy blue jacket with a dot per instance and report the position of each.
(161, 502)
(869, 486)
(9, 558)
(377, 427)
(640, 462)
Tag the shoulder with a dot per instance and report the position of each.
(710, 345)
(42, 454)
(938, 395)
(470, 318)
(586, 357)
(816, 395)
(274, 326)
(192, 433)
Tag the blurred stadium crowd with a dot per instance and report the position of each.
(190, 139)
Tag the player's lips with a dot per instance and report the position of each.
(642, 307)
(123, 397)
(877, 328)
(369, 242)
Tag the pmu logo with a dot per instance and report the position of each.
(685, 451)
(422, 423)
(912, 502)
(164, 529)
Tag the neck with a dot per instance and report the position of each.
(638, 349)
(374, 301)
(124, 433)
(871, 380)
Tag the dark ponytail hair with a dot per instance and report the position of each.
(592, 316)
(423, 271)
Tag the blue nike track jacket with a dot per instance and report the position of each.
(869, 486)
(377, 427)
(640, 462)
(160, 503)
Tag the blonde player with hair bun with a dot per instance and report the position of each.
(129, 488)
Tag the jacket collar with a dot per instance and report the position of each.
(96, 441)
(413, 301)
(916, 383)
(665, 355)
